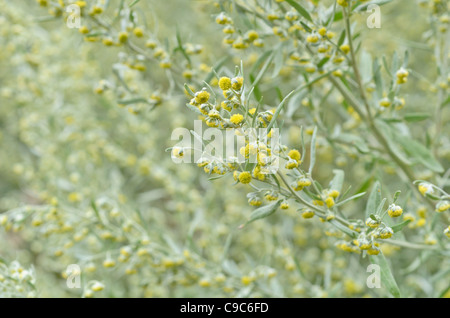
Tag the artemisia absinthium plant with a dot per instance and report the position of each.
(321, 46)
(345, 118)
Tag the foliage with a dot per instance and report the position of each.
(89, 173)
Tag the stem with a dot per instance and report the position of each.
(411, 245)
(372, 126)
(353, 62)
(299, 198)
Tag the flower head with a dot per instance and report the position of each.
(442, 206)
(245, 177)
(395, 210)
(237, 83)
(201, 97)
(425, 188)
(237, 119)
(225, 83)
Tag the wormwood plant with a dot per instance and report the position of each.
(354, 122)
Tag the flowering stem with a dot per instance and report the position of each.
(311, 206)
(299, 198)
(411, 245)
(372, 126)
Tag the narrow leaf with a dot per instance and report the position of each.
(353, 197)
(374, 199)
(413, 117)
(263, 212)
(313, 151)
(387, 278)
(300, 9)
(399, 227)
(338, 180)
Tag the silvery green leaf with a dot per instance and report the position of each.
(374, 199)
(263, 211)
(387, 278)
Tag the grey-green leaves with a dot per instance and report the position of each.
(374, 199)
(387, 278)
(304, 13)
(263, 212)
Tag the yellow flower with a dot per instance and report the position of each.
(123, 36)
(83, 30)
(109, 263)
(291, 16)
(394, 210)
(75, 197)
(291, 164)
(333, 193)
(308, 214)
(421, 222)
(246, 280)
(159, 53)
(225, 83)
(222, 19)
(220, 278)
(245, 177)
(204, 283)
(312, 38)
(303, 182)
(258, 43)
(447, 231)
(237, 119)
(228, 29)
(295, 154)
(96, 10)
(3, 219)
(310, 68)
(272, 16)
(322, 48)
(240, 44)
(402, 76)
(442, 206)
(165, 64)
(201, 97)
(151, 44)
(422, 211)
(138, 32)
(108, 41)
(385, 233)
(322, 31)
(408, 217)
(373, 251)
(363, 244)
(178, 152)
(271, 196)
(329, 202)
(254, 201)
(258, 174)
(237, 82)
(345, 48)
(385, 102)
(284, 205)
(252, 35)
(430, 239)
(130, 271)
(97, 287)
(372, 223)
